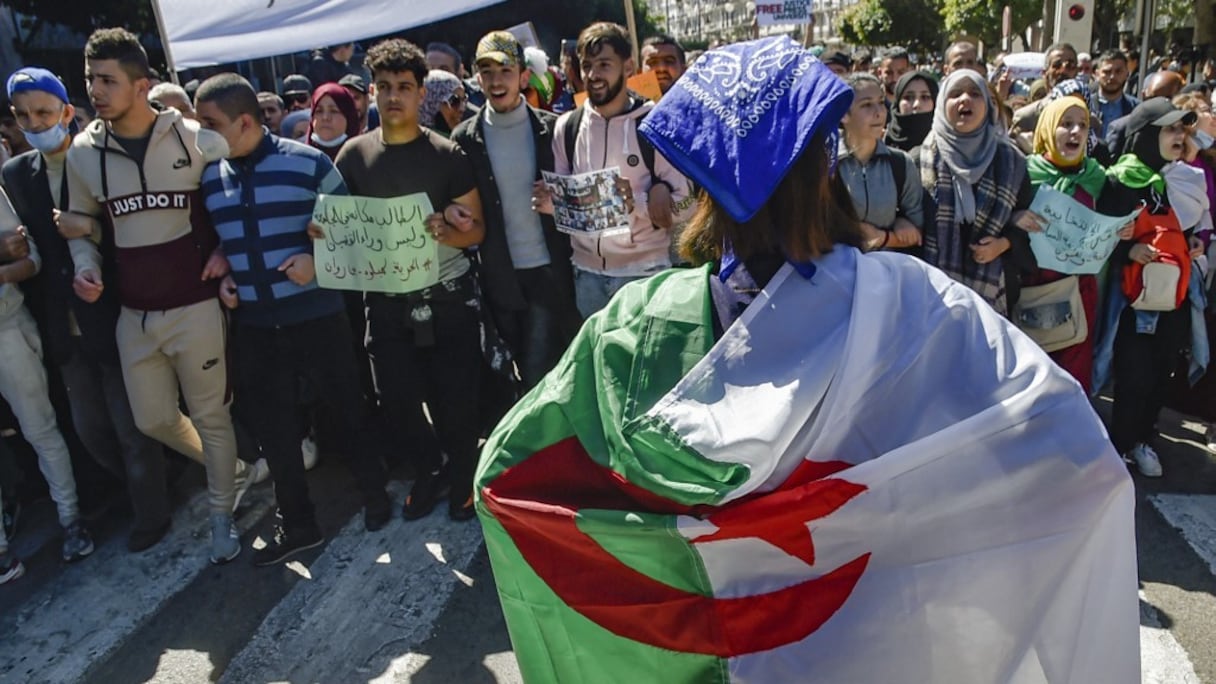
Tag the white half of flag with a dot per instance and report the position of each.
(997, 515)
(200, 34)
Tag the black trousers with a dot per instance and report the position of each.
(429, 353)
(279, 374)
(539, 334)
(1142, 367)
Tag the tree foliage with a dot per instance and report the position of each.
(910, 23)
(981, 19)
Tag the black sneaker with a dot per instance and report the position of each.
(428, 489)
(461, 512)
(285, 545)
(76, 542)
(142, 540)
(376, 514)
(12, 512)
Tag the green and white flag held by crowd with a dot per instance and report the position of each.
(870, 477)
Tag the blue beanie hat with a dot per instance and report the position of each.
(740, 117)
(36, 78)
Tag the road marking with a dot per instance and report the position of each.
(1195, 516)
(1162, 658)
(90, 608)
(373, 597)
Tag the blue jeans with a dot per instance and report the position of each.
(592, 290)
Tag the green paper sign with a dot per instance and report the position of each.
(375, 245)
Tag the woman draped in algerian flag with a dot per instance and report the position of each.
(796, 462)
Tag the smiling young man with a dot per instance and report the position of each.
(525, 260)
(138, 171)
(425, 345)
(603, 134)
(664, 56)
(78, 337)
(288, 335)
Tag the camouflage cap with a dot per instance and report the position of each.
(501, 47)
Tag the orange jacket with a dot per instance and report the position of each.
(1162, 232)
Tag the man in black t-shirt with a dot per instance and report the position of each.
(425, 346)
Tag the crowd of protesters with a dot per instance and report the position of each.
(158, 295)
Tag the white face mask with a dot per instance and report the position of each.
(49, 140)
(328, 143)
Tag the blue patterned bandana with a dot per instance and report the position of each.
(739, 118)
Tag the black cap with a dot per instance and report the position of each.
(838, 57)
(1157, 111)
(295, 84)
(354, 82)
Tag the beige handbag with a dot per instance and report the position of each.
(1053, 314)
(1160, 292)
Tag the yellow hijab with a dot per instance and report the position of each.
(1049, 120)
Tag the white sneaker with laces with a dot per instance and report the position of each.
(1146, 460)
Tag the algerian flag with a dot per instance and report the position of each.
(871, 477)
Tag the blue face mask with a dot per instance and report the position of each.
(49, 140)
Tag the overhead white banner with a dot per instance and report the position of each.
(787, 12)
(200, 34)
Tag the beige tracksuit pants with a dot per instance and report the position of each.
(162, 350)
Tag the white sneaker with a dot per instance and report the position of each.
(308, 448)
(225, 540)
(1146, 460)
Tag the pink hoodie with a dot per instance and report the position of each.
(603, 143)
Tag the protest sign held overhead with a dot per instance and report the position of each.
(588, 203)
(375, 245)
(788, 12)
(1076, 240)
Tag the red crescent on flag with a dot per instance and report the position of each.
(537, 502)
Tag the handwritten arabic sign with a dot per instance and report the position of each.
(788, 12)
(588, 203)
(1076, 240)
(375, 245)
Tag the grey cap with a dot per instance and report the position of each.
(354, 81)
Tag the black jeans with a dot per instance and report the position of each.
(1142, 367)
(279, 373)
(437, 361)
(539, 334)
(101, 414)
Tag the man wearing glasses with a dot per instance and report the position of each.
(297, 92)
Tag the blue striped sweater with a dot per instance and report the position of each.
(261, 205)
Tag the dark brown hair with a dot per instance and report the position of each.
(803, 219)
(596, 36)
(122, 45)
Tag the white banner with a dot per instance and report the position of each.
(787, 12)
(200, 34)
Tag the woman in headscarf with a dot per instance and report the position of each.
(1150, 274)
(977, 182)
(295, 125)
(334, 119)
(882, 183)
(443, 107)
(1060, 161)
(912, 110)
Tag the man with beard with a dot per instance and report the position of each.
(602, 134)
(895, 63)
(271, 107)
(1110, 102)
(664, 56)
(425, 345)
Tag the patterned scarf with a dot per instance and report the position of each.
(995, 194)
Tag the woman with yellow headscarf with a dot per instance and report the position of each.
(1060, 161)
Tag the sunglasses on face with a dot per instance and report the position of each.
(1062, 63)
(457, 101)
(299, 98)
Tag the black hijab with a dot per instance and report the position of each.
(908, 131)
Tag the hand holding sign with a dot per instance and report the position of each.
(373, 244)
(1074, 239)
